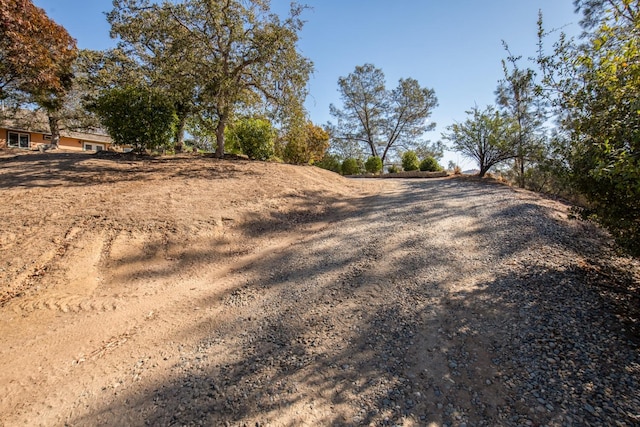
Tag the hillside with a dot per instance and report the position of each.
(195, 291)
(74, 211)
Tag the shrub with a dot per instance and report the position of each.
(410, 161)
(430, 164)
(255, 137)
(305, 145)
(330, 162)
(138, 116)
(393, 169)
(457, 170)
(350, 167)
(373, 164)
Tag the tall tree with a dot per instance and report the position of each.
(485, 136)
(516, 95)
(36, 58)
(155, 42)
(365, 102)
(380, 119)
(35, 52)
(216, 57)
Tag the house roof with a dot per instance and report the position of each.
(38, 122)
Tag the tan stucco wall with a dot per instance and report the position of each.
(36, 139)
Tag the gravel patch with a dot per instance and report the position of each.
(449, 302)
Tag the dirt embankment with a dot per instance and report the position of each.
(182, 291)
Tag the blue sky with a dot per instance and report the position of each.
(453, 47)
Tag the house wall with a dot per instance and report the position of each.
(36, 139)
(69, 144)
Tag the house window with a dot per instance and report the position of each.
(18, 140)
(92, 147)
(47, 137)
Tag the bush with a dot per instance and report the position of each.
(410, 161)
(393, 169)
(350, 167)
(430, 164)
(373, 164)
(138, 116)
(255, 137)
(330, 162)
(305, 145)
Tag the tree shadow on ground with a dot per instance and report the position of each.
(84, 170)
(371, 336)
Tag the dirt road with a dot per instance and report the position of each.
(203, 293)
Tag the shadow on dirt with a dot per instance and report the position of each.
(83, 169)
(357, 324)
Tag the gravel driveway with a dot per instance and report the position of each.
(442, 302)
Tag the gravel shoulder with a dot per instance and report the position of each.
(200, 292)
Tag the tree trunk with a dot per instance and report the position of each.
(222, 123)
(179, 141)
(54, 126)
(384, 155)
(372, 146)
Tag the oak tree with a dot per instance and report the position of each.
(35, 52)
(217, 57)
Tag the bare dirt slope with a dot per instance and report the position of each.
(191, 291)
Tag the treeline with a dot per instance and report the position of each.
(569, 123)
(217, 71)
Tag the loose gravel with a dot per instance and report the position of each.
(443, 302)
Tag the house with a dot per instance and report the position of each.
(28, 130)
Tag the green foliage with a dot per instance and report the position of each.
(255, 137)
(217, 57)
(376, 119)
(138, 116)
(351, 166)
(519, 100)
(373, 164)
(330, 162)
(596, 84)
(430, 164)
(484, 136)
(606, 161)
(410, 161)
(393, 169)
